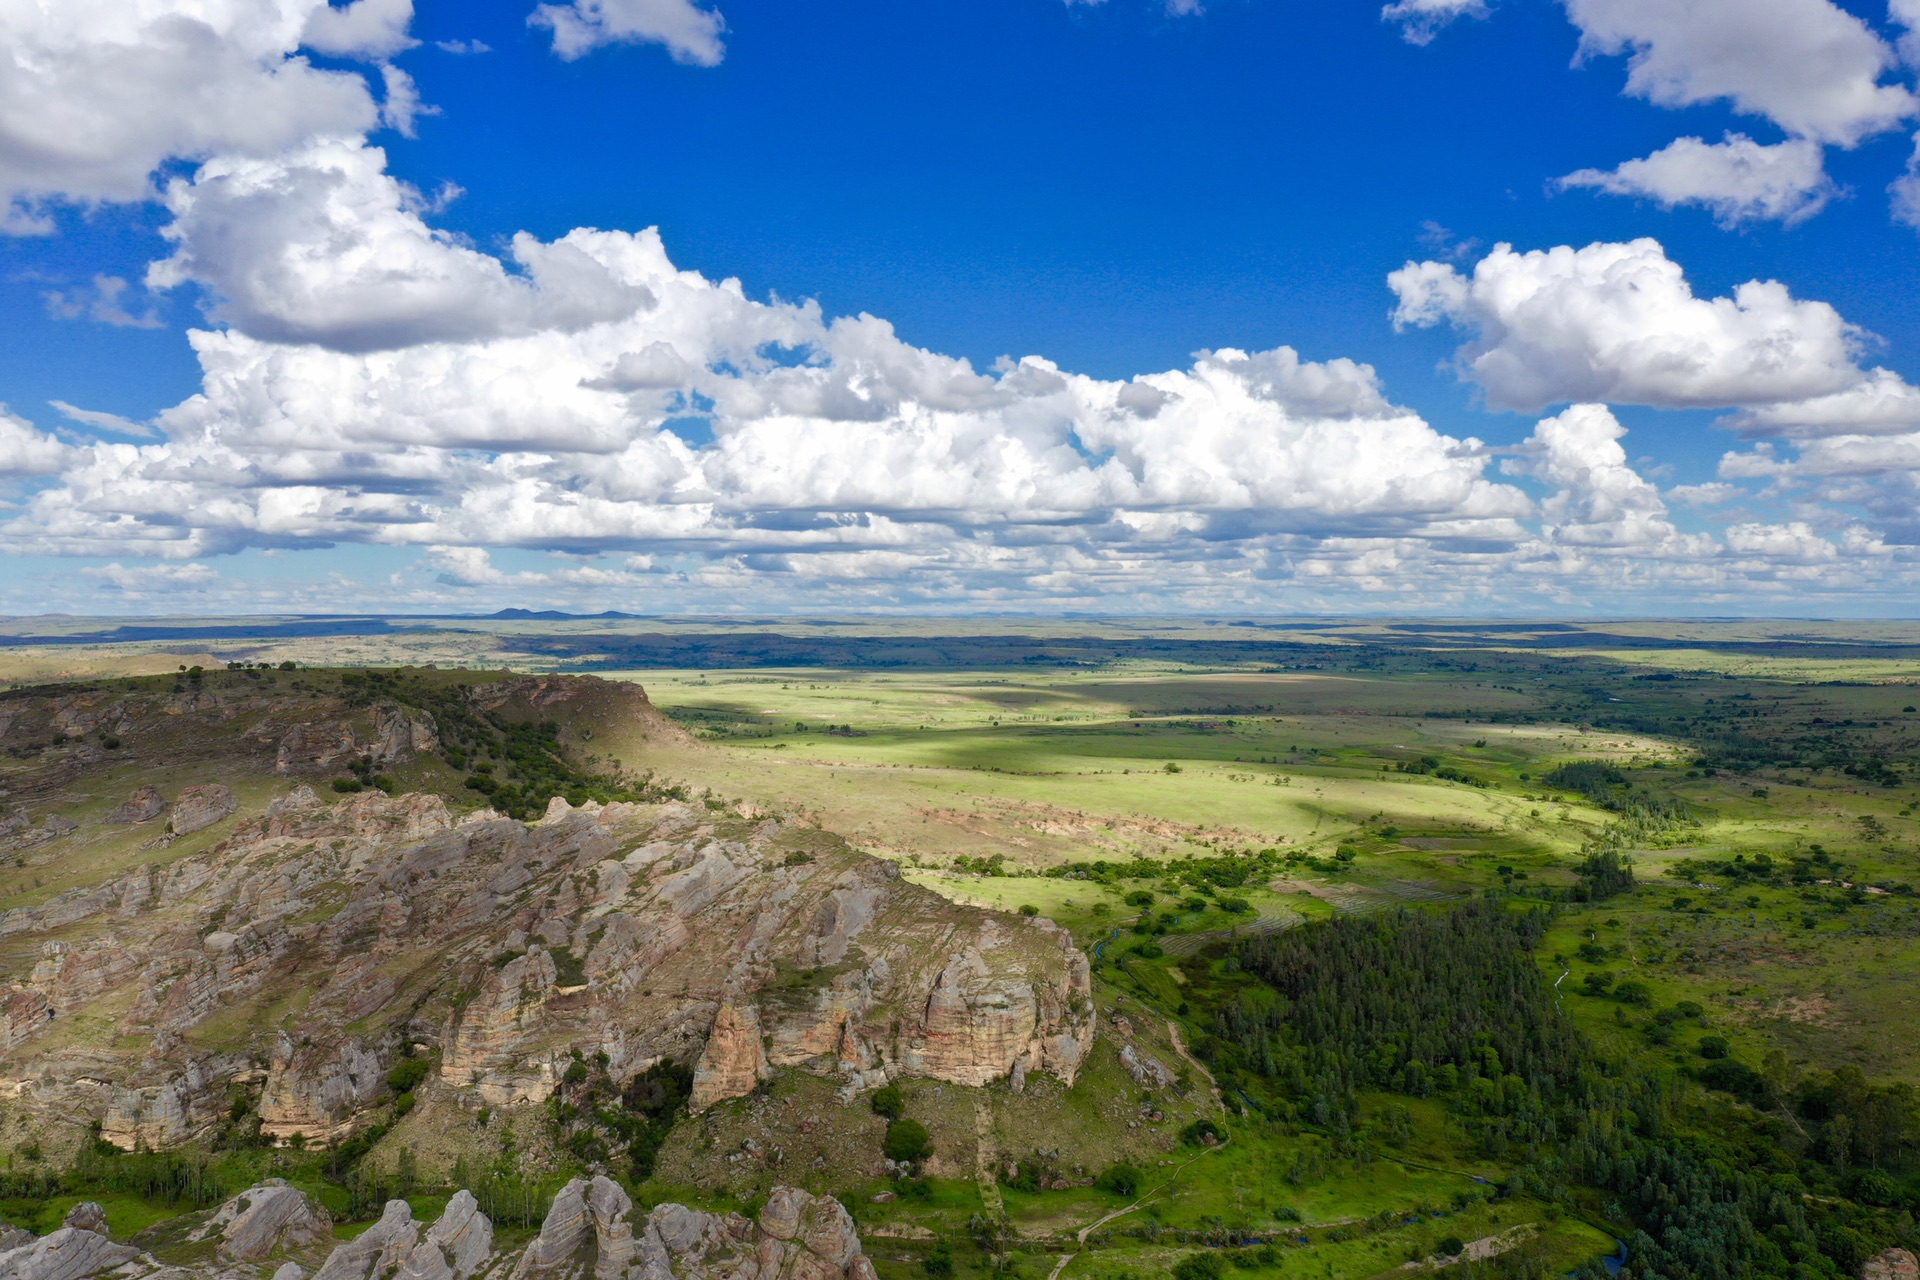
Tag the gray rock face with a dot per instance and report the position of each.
(200, 807)
(142, 804)
(266, 1218)
(70, 1253)
(379, 1252)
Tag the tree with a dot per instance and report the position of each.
(889, 1102)
(907, 1141)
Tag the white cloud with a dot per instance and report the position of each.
(1421, 20)
(1600, 500)
(463, 48)
(98, 93)
(103, 421)
(101, 304)
(1737, 179)
(324, 246)
(27, 452)
(372, 30)
(1808, 65)
(1882, 403)
(1905, 190)
(1710, 494)
(690, 33)
(1619, 323)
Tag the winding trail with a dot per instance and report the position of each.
(1180, 1047)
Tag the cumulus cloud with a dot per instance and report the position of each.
(1807, 65)
(1737, 179)
(25, 451)
(374, 30)
(322, 245)
(99, 93)
(1619, 323)
(1421, 20)
(1600, 501)
(690, 33)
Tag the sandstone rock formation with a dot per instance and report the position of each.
(200, 807)
(142, 804)
(1893, 1264)
(265, 1219)
(290, 962)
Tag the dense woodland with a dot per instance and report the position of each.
(1801, 1178)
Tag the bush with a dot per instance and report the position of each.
(907, 1140)
(889, 1102)
(938, 1263)
(1140, 898)
(1149, 951)
(1120, 1179)
(1714, 1047)
(1199, 1266)
(1450, 1247)
(407, 1073)
(1633, 993)
(1197, 1133)
(1028, 909)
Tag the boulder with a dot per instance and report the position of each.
(141, 804)
(70, 1253)
(200, 807)
(87, 1216)
(1892, 1264)
(266, 1218)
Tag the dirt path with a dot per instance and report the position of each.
(984, 1154)
(1180, 1047)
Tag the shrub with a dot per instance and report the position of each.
(1028, 909)
(1199, 1266)
(1149, 951)
(1120, 1179)
(889, 1102)
(1197, 1133)
(1235, 906)
(938, 1263)
(907, 1140)
(1632, 993)
(1140, 898)
(407, 1073)
(1714, 1047)
(1450, 1247)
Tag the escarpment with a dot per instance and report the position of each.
(318, 940)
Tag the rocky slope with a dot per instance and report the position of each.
(288, 955)
(590, 1233)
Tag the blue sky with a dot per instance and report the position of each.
(392, 407)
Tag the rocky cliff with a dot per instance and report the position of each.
(294, 950)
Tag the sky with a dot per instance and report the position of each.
(1236, 307)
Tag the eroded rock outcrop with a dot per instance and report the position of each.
(264, 1220)
(1892, 1264)
(198, 808)
(140, 805)
(320, 938)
